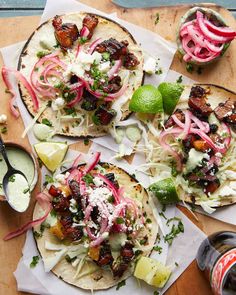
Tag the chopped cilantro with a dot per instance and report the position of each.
(157, 18)
(25, 191)
(34, 262)
(148, 220)
(53, 213)
(45, 121)
(189, 67)
(158, 249)
(86, 141)
(41, 78)
(106, 56)
(156, 293)
(119, 220)
(163, 215)
(144, 241)
(4, 130)
(180, 79)
(138, 252)
(60, 85)
(70, 111)
(0, 185)
(96, 120)
(68, 259)
(48, 179)
(120, 284)
(37, 235)
(49, 103)
(158, 71)
(175, 230)
(88, 178)
(40, 162)
(12, 178)
(176, 264)
(82, 40)
(111, 199)
(172, 219)
(41, 54)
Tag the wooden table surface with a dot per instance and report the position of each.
(19, 28)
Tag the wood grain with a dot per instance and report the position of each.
(17, 29)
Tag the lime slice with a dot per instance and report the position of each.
(146, 99)
(165, 191)
(152, 272)
(51, 153)
(171, 93)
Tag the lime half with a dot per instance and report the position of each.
(152, 272)
(51, 153)
(171, 93)
(146, 99)
(165, 191)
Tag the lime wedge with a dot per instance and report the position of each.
(51, 153)
(152, 272)
(165, 191)
(146, 99)
(171, 93)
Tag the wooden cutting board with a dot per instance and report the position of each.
(17, 29)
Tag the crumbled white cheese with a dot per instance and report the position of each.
(104, 67)
(97, 57)
(85, 58)
(78, 70)
(149, 65)
(73, 206)
(97, 181)
(60, 178)
(3, 119)
(58, 104)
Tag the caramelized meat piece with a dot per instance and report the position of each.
(111, 177)
(65, 34)
(75, 190)
(122, 263)
(61, 203)
(231, 119)
(116, 49)
(130, 61)
(54, 191)
(199, 105)
(170, 122)
(188, 142)
(105, 256)
(74, 233)
(225, 110)
(89, 102)
(197, 91)
(103, 115)
(127, 252)
(212, 186)
(66, 221)
(90, 22)
(113, 86)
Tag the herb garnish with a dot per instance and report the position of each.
(70, 111)
(156, 293)
(180, 79)
(48, 179)
(12, 178)
(53, 213)
(70, 260)
(88, 178)
(34, 262)
(82, 40)
(175, 230)
(41, 54)
(176, 264)
(25, 191)
(45, 121)
(120, 284)
(148, 220)
(163, 215)
(4, 130)
(119, 220)
(86, 141)
(96, 120)
(158, 249)
(106, 56)
(157, 18)
(189, 67)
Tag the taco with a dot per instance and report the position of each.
(196, 147)
(83, 69)
(100, 223)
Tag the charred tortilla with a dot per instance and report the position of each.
(221, 174)
(83, 125)
(102, 279)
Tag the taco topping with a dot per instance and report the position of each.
(91, 209)
(203, 137)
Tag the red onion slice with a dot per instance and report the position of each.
(221, 31)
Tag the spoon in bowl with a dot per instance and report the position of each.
(15, 185)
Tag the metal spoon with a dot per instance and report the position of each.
(10, 172)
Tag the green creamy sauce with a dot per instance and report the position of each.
(20, 160)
